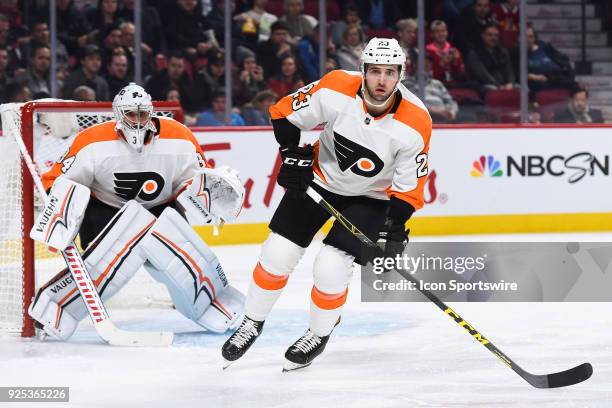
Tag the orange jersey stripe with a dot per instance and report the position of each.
(97, 133)
(268, 281)
(171, 129)
(338, 81)
(418, 119)
(328, 301)
(316, 166)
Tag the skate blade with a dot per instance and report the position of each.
(227, 363)
(291, 366)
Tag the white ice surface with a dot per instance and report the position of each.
(382, 355)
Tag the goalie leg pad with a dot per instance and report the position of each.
(112, 260)
(179, 259)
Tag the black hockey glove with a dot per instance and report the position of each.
(296, 171)
(392, 238)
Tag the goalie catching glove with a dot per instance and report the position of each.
(215, 196)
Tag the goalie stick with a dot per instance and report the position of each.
(95, 308)
(565, 378)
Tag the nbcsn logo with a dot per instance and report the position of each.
(486, 166)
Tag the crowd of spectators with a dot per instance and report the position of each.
(471, 53)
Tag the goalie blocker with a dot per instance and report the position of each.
(167, 248)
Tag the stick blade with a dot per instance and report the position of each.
(117, 337)
(565, 378)
(572, 376)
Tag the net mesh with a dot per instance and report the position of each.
(53, 132)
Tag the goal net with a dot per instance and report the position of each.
(47, 128)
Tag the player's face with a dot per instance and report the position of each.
(137, 118)
(380, 81)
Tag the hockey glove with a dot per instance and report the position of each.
(392, 238)
(296, 171)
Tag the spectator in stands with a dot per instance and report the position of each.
(447, 61)
(5, 77)
(84, 93)
(36, 77)
(289, 80)
(407, 33)
(117, 73)
(7, 42)
(153, 38)
(350, 16)
(127, 43)
(212, 76)
(16, 92)
(300, 25)
(330, 65)
(256, 112)
(88, 74)
(174, 95)
(189, 31)
(175, 76)
(106, 13)
(215, 116)
(379, 13)
(260, 17)
(353, 43)
(488, 64)
(440, 103)
(507, 15)
(248, 81)
(472, 22)
(39, 36)
(72, 26)
(270, 53)
(110, 38)
(308, 54)
(578, 109)
(245, 33)
(11, 9)
(546, 66)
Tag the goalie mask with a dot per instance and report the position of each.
(133, 109)
(382, 51)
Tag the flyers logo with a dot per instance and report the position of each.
(145, 185)
(360, 160)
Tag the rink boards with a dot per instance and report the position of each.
(483, 180)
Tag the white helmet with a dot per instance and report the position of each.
(384, 51)
(133, 102)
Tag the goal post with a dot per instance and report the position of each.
(47, 128)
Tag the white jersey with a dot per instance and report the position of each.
(358, 154)
(116, 173)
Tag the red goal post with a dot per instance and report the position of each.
(37, 124)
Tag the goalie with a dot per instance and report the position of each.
(119, 187)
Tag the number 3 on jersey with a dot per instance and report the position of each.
(301, 97)
(423, 169)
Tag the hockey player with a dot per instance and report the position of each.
(119, 186)
(370, 163)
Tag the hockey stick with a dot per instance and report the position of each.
(561, 379)
(82, 279)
